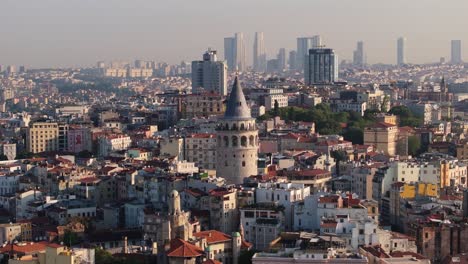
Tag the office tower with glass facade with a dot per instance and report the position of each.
(321, 67)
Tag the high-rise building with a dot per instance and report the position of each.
(46, 136)
(234, 52)
(321, 67)
(456, 52)
(210, 73)
(303, 46)
(237, 139)
(359, 57)
(11, 69)
(259, 53)
(292, 59)
(282, 61)
(401, 51)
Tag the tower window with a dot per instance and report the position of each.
(243, 163)
(244, 141)
(234, 141)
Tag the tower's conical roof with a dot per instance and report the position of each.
(236, 106)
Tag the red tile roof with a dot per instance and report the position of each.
(183, 249)
(400, 254)
(213, 236)
(29, 248)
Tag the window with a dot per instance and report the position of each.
(243, 163)
(234, 141)
(244, 141)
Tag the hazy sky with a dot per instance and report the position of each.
(53, 33)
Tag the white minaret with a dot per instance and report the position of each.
(237, 139)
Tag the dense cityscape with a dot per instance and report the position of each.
(298, 158)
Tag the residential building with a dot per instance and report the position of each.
(210, 74)
(42, 137)
(202, 105)
(383, 136)
(201, 149)
(284, 194)
(261, 223)
(111, 143)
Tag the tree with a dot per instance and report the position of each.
(414, 144)
(385, 102)
(246, 256)
(276, 108)
(24, 155)
(354, 134)
(85, 154)
(339, 156)
(406, 117)
(70, 238)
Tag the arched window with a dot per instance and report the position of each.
(234, 126)
(234, 141)
(226, 141)
(225, 163)
(243, 163)
(244, 141)
(242, 126)
(251, 141)
(219, 141)
(226, 126)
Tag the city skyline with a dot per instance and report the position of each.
(138, 30)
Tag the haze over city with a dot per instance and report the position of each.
(52, 33)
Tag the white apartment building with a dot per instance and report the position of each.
(8, 150)
(315, 208)
(284, 194)
(269, 101)
(348, 105)
(262, 223)
(9, 183)
(201, 149)
(108, 144)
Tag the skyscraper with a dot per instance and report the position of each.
(321, 67)
(282, 62)
(359, 57)
(401, 51)
(292, 60)
(234, 52)
(229, 46)
(259, 53)
(303, 46)
(210, 73)
(456, 57)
